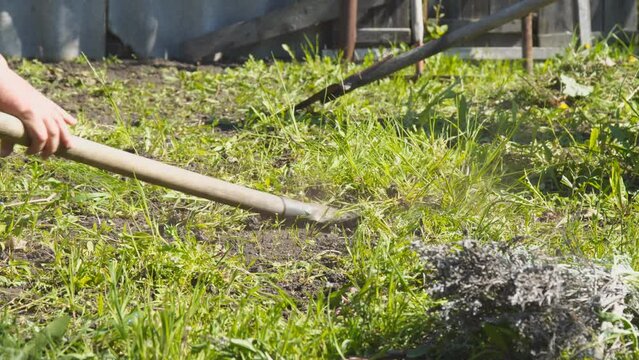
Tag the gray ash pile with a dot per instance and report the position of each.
(499, 301)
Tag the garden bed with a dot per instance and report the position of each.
(106, 267)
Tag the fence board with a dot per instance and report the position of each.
(496, 5)
(597, 15)
(401, 15)
(54, 29)
(157, 28)
(393, 14)
(383, 35)
(462, 12)
(386, 19)
(475, 9)
(556, 23)
(510, 27)
(619, 12)
(452, 8)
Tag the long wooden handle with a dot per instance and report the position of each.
(158, 173)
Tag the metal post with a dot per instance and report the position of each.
(348, 34)
(417, 27)
(585, 30)
(527, 43)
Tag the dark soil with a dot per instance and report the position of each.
(33, 252)
(8, 294)
(266, 250)
(289, 244)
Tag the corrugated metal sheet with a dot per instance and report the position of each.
(53, 29)
(156, 28)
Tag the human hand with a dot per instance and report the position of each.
(44, 121)
(46, 124)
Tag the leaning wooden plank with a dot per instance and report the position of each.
(298, 16)
(390, 65)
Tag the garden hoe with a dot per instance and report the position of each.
(158, 173)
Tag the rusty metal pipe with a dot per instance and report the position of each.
(348, 34)
(417, 30)
(172, 177)
(527, 43)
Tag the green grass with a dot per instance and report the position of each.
(470, 150)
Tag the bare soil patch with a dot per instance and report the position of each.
(9, 294)
(290, 244)
(33, 252)
(267, 250)
(67, 83)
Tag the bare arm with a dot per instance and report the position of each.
(46, 123)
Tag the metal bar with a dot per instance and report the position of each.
(417, 26)
(527, 46)
(585, 27)
(172, 177)
(393, 64)
(348, 35)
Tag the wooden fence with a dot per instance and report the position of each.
(555, 23)
(63, 29)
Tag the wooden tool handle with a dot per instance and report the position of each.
(158, 173)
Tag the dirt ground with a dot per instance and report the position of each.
(263, 246)
(266, 249)
(65, 81)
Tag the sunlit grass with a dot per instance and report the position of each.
(469, 150)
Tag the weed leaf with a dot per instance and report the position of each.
(50, 334)
(574, 89)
